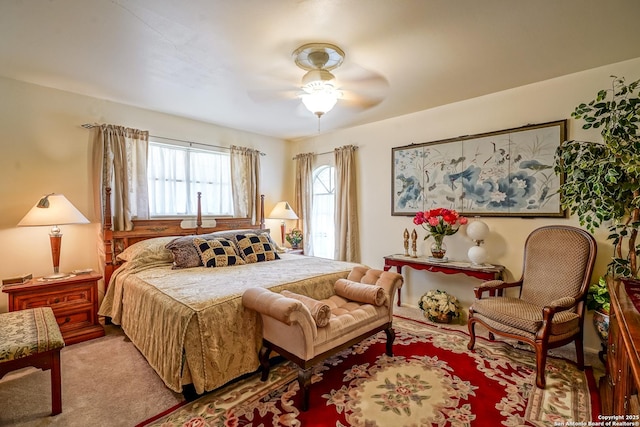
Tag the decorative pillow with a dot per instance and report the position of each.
(320, 311)
(360, 292)
(184, 251)
(218, 252)
(254, 248)
(149, 250)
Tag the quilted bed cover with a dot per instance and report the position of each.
(190, 324)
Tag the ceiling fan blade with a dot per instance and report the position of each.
(273, 95)
(352, 99)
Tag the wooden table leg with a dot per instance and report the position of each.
(56, 384)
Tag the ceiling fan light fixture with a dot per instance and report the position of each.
(319, 94)
(318, 76)
(319, 99)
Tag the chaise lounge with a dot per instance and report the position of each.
(307, 331)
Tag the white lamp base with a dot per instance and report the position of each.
(477, 255)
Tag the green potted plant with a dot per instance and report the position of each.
(294, 237)
(598, 300)
(602, 180)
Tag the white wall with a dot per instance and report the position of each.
(44, 150)
(381, 233)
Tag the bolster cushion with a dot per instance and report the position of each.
(320, 311)
(270, 303)
(360, 292)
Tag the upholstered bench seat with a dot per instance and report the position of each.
(32, 338)
(306, 331)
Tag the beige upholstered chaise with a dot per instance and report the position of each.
(549, 310)
(307, 331)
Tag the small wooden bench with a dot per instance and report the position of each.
(32, 338)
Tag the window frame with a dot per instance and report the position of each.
(190, 193)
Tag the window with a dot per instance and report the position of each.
(177, 173)
(322, 213)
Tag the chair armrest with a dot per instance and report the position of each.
(494, 285)
(286, 310)
(563, 303)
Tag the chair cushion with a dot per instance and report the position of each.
(521, 315)
(27, 332)
(348, 318)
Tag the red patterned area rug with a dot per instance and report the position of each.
(432, 380)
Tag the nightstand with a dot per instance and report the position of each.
(74, 301)
(294, 251)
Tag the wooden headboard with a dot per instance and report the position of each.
(117, 241)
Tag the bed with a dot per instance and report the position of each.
(189, 323)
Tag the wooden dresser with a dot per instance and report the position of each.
(619, 387)
(74, 301)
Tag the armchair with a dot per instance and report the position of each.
(549, 310)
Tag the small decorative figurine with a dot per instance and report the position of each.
(406, 242)
(414, 244)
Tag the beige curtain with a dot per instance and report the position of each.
(245, 182)
(304, 196)
(347, 235)
(120, 162)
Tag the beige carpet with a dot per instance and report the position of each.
(105, 382)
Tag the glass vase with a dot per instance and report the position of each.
(438, 248)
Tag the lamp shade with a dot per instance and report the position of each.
(283, 211)
(477, 230)
(53, 209)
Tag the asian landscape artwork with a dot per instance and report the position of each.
(505, 173)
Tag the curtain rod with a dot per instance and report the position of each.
(320, 154)
(90, 126)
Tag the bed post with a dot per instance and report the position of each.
(107, 236)
(199, 214)
(262, 211)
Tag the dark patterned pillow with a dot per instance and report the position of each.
(184, 251)
(217, 252)
(254, 248)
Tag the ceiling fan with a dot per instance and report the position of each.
(320, 91)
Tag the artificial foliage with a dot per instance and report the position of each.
(598, 296)
(602, 179)
(437, 304)
(294, 237)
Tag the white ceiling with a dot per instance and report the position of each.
(229, 62)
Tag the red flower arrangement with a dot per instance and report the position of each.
(439, 222)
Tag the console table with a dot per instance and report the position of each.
(483, 272)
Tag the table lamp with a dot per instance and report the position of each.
(283, 211)
(53, 209)
(477, 231)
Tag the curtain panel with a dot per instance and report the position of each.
(347, 236)
(120, 162)
(303, 189)
(245, 182)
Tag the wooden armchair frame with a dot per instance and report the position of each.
(540, 339)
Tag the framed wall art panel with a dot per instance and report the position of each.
(504, 173)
